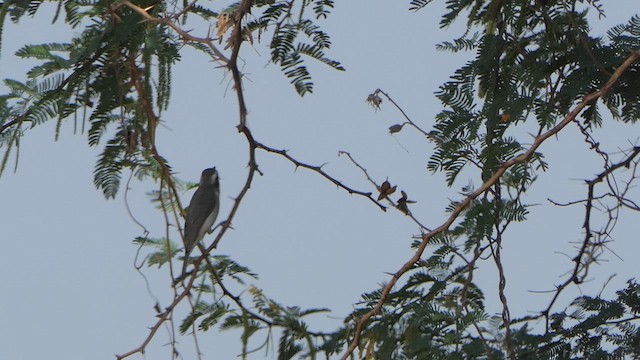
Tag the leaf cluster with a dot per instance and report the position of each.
(115, 76)
(106, 71)
(296, 36)
(216, 308)
(532, 63)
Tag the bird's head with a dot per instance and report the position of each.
(209, 177)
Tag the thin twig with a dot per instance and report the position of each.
(582, 260)
(184, 34)
(524, 157)
(319, 170)
(409, 121)
(395, 205)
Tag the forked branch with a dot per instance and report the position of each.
(524, 157)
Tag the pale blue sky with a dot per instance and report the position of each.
(70, 290)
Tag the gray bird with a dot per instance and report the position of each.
(201, 213)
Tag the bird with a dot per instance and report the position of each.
(201, 213)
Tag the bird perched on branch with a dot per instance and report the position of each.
(201, 213)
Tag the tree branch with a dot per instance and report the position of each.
(524, 157)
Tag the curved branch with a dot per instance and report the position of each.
(319, 170)
(184, 34)
(9, 124)
(162, 317)
(580, 268)
(405, 210)
(524, 157)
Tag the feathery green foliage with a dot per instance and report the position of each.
(531, 62)
(119, 70)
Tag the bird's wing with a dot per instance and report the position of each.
(200, 209)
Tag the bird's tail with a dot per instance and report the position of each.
(185, 264)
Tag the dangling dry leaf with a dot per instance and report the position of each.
(403, 201)
(395, 128)
(225, 21)
(374, 100)
(385, 190)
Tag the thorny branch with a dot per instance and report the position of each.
(165, 173)
(168, 21)
(165, 176)
(590, 248)
(582, 260)
(319, 170)
(405, 211)
(236, 38)
(524, 157)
